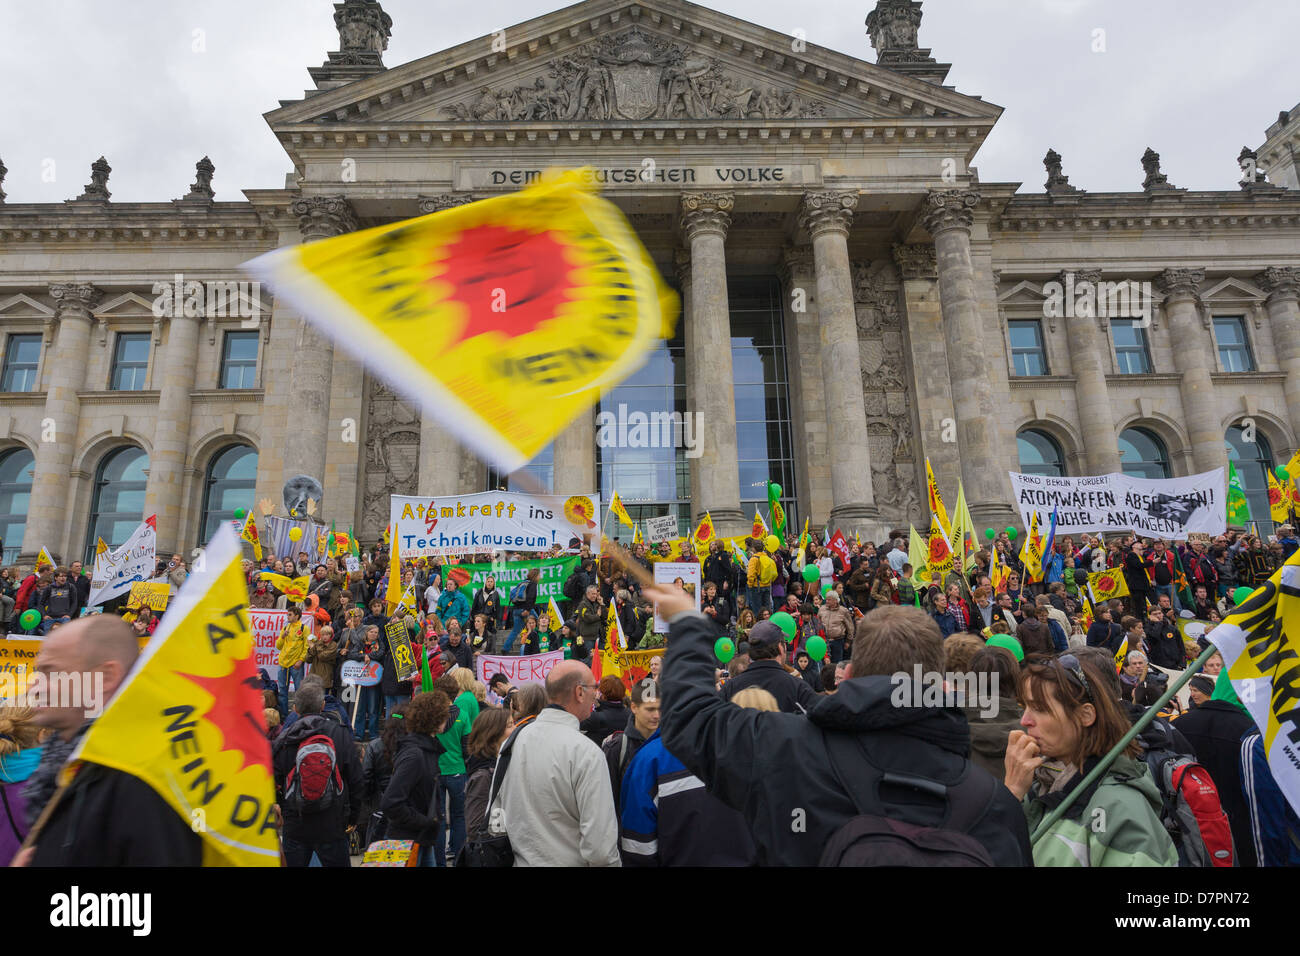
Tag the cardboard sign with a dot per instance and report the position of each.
(661, 528)
(682, 574)
(399, 645)
(529, 668)
(151, 594)
(266, 626)
(361, 674)
(352, 563)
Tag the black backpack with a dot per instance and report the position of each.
(879, 836)
(485, 849)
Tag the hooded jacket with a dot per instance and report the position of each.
(770, 765)
(1125, 797)
(330, 825)
(408, 801)
(610, 716)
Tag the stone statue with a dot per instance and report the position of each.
(97, 188)
(201, 188)
(1155, 181)
(1057, 182)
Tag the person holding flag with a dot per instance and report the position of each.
(936, 500)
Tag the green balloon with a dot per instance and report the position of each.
(1012, 532)
(990, 533)
(1281, 472)
(816, 647)
(29, 619)
(828, 589)
(810, 573)
(1240, 595)
(240, 514)
(724, 650)
(785, 622)
(774, 489)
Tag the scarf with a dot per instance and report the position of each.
(45, 778)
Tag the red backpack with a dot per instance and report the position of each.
(1192, 812)
(314, 783)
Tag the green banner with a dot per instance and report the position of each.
(555, 571)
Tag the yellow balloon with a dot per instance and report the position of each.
(772, 542)
(295, 534)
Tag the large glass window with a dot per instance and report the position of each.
(541, 468)
(1131, 352)
(1040, 454)
(239, 360)
(130, 362)
(16, 467)
(1234, 347)
(1253, 461)
(1028, 356)
(22, 356)
(763, 434)
(232, 476)
(1143, 454)
(118, 503)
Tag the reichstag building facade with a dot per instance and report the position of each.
(855, 297)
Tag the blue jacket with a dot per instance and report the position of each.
(1273, 823)
(1059, 639)
(947, 623)
(453, 604)
(670, 819)
(1055, 566)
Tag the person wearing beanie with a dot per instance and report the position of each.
(767, 653)
(1007, 642)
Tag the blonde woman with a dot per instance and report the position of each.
(755, 698)
(19, 757)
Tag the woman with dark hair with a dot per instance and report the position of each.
(882, 586)
(1071, 722)
(377, 770)
(409, 805)
(490, 732)
(610, 714)
(526, 702)
(992, 718)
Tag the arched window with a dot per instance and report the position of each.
(16, 466)
(231, 479)
(118, 503)
(1040, 454)
(1253, 460)
(1143, 454)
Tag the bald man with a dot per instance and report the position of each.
(106, 817)
(557, 805)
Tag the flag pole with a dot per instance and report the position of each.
(1137, 728)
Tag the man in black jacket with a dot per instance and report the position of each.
(767, 651)
(1164, 642)
(321, 832)
(1214, 729)
(775, 768)
(106, 817)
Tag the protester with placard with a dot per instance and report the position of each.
(292, 645)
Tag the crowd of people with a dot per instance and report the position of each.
(790, 749)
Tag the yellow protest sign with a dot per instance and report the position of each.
(188, 720)
(151, 594)
(17, 664)
(508, 316)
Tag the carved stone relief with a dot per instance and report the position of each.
(392, 454)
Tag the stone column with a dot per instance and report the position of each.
(949, 214)
(827, 216)
(307, 435)
(1283, 287)
(807, 391)
(171, 434)
(1088, 348)
(575, 457)
(48, 511)
(682, 268)
(1193, 351)
(706, 216)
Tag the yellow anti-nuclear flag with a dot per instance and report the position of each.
(1278, 503)
(249, 534)
(937, 508)
(43, 559)
(1260, 643)
(1107, 584)
(295, 589)
(619, 512)
(537, 300)
(188, 718)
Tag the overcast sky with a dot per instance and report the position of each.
(1194, 79)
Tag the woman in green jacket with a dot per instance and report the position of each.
(1072, 719)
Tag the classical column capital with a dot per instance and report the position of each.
(797, 261)
(915, 260)
(946, 209)
(1280, 282)
(444, 201)
(827, 211)
(1180, 283)
(74, 300)
(321, 217)
(706, 212)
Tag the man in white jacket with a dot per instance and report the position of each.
(556, 800)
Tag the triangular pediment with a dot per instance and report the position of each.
(622, 63)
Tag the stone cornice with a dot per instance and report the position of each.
(1040, 381)
(1117, 212)
(145, 397)
(212, 395)
(1148, 378)
(12, 399)
(218, 223)
(1248, 378)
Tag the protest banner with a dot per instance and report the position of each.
(681, 574)
(628, 666)
(151, 594)
(661, 528)
(555, 571)
(115, 572)
(528, 668)
(267, 625)
(17, 664)
(1169, 508)
(353, 564)
(360, 674)
(493, 521)
(399, 647)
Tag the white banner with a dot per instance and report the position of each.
(1169, 508)
(680, 574)
(493, 521)
(528, 668)
(115, 571)
(266, 626)
(663, 528)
